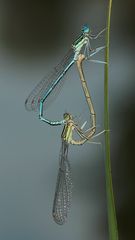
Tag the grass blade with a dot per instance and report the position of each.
(112, 221)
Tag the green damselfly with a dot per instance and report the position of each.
(38, 98)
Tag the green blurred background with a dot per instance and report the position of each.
(34, 36)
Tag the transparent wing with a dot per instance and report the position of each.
(42, 88)
(63, 192)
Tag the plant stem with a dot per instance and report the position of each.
(112, 221)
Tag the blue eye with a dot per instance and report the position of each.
(85, 28)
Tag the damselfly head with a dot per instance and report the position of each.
(67, 116)
(85, 28)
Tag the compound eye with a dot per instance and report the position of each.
(66, 116)
(85, 28)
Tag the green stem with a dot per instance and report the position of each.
(112, 221)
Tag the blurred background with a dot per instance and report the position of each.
(34, 36)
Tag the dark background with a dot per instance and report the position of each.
(34, 36)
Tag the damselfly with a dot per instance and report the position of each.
(37, 99)
(63, 192)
